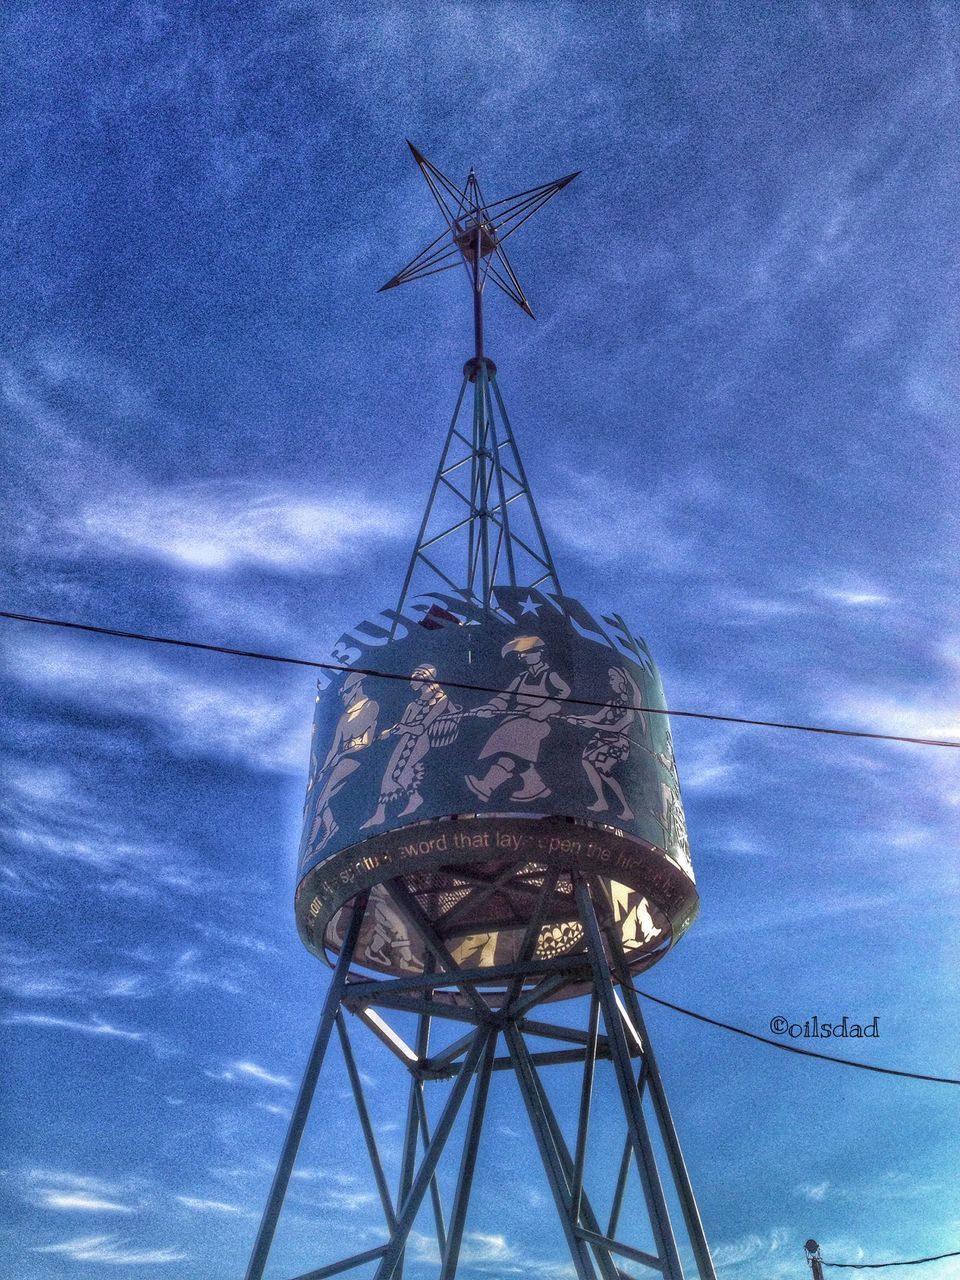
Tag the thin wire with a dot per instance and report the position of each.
(804, 1053)
(459, 684)
(906, 1262)
(384, 675)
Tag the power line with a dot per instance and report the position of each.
(906, 1262)
(459, 684)
(698, 715)
(804, 1053)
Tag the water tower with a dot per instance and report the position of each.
(493, 824)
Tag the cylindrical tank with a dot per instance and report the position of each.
(474, 798)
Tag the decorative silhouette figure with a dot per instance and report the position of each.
(632, 913)
(610, 745)
(477, 950)
(404, 772)
(355, 730)
(390, 940)
(671, 816)
(526, 708)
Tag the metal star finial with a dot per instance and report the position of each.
(475, 231)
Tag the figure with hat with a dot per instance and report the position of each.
(526, 708)
(609, 743)
(355, 731)
(415, 736)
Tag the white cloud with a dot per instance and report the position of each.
(110, 1250)
(77, 1181)
(490, 1250)
(81, 827)
(74, 1200)
(923, 713)
(707, 760)
(218, 525)
(750, 1248)
(308, 1173)
(256, 1072)
(266, 727)
(93, 1027)
(190, 971)
(919, 717)
(209, 1206)
(70, 1192)
(859, 599)
(272, 1109)
(348, 1201)
(813, 1191)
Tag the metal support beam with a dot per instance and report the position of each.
(608, 1267)
(368, 1135)
(331, 1006)
(678, 1168)
(438, 1215)
(431, 1157)
(614, 1030)
(346, 1264)
(643, 1149)
(468, 1161)
(579, 1253)
(583, 1121)
(412, 1128)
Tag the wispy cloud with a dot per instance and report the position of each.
(263, 727)
(28, 973)
(333, 1189)
(93, 1027)
(253, 1071)
(492, 1251)
(920, 716)
(272, 1109)
(815, 1191)
(199, 1205)
(111, 1250)
(192, 970)
(78, 826)
(76, 1193)
(79, 1200)
(858, 599)
(95, 501)
(223, 525)
(751, 1248)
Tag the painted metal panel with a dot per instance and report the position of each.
(471, 796)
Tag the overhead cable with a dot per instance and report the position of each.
(905, 1262)
(459, 684)
(790, 1048)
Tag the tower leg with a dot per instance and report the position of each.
(629, 1093)
(452, 995)
(331, 1007)
(678, 1168)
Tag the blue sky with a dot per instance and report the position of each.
(738, 408)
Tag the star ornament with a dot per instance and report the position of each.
(475, 231)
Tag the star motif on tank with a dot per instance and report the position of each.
(530, 606)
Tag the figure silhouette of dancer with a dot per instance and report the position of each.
(526, 708)
(355, 730)
(609, 745)
(404, 772)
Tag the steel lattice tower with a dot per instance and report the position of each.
(466, 912)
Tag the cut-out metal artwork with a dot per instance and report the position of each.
(497, 829)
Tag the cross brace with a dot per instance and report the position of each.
(614, 1032)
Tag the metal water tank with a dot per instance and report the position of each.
(499, 749)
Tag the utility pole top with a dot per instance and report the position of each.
(812, 1251)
